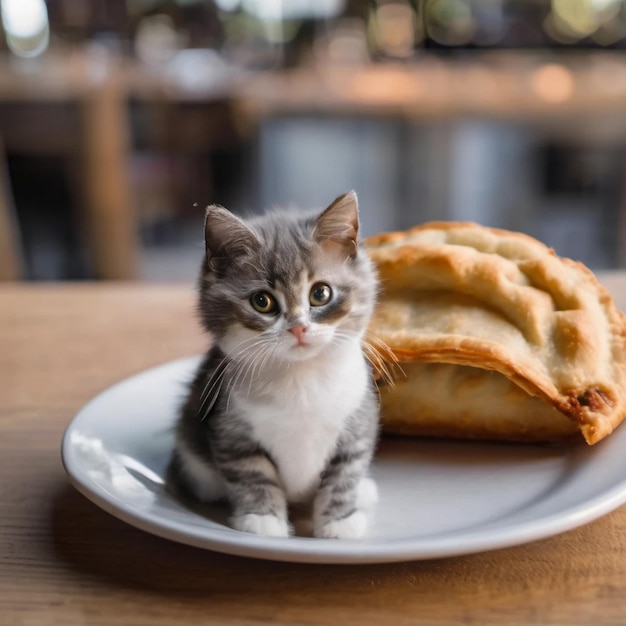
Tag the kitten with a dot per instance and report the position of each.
(283, 409)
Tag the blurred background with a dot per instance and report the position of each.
(120, 121)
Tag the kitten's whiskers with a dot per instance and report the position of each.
(215, 382)
(216, 377)
(257, 363)
(382, 358)
(247, 365)
(384, 363)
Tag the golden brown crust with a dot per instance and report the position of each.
(500, 301)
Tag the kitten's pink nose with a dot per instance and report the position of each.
(298, 331)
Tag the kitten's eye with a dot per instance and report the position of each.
(320, 294)
(263, 302)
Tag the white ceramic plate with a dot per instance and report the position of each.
(437, 499)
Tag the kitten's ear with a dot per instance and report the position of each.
(226, 236)
(337, 227)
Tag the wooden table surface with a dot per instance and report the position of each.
(64, 561)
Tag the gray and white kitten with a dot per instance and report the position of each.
(283, 409)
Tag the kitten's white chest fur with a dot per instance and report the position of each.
(302, 411)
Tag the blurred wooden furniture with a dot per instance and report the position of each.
(65, 561)
(546, 90)
(10, 247)
(77, 107)
(78, 104)
(111, 222)
(577, 98)
(461, 137)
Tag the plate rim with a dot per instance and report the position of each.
(326, 551)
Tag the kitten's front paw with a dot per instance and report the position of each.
(268, 525)
(351, 527)
(367, 494)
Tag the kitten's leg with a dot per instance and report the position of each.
(258, 501)
(367, 494)
(344, 495)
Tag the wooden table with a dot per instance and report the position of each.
(64, 561)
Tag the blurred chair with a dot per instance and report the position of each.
(75, 109)
(108, 203)
(11, 260)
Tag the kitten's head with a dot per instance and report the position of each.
(287, 284)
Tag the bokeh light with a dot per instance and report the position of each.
(395, 28)
(582, 18)
(553, 83)
(449, 22)
(26, 26)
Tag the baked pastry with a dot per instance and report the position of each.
(498, 337)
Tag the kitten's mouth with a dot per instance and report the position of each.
(301, 345)
(302, 350)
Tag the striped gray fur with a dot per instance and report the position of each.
(283, 407)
